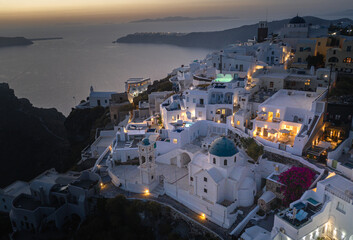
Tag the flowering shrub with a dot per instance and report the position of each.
(296, 181)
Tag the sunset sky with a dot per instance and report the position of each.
(125, 10)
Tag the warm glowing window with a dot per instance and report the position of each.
(173, 118)
(223, 111)
(175, 141)
(278, 115)
(238, 123)
(347, 60)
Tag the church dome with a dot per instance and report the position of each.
(223, 147)
(146, 141)
(297, 20)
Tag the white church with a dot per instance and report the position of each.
(213, 181)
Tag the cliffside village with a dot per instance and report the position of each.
(188, 144)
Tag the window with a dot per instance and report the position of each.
(150, 158)
(349, 48)
(191, 179)
(347, 60)
(235, 159)
(201, 101)
(173, 118)
(271, 84)
(278, 115)
(152, 177)
(194, 100)
(238, 122)
(115, 117)
(200, 114)
(334, 51)
(319, 44)
(205, 179)
(225, 162)
(187, 99)
(340, 207)
(143, 159)
(300, 49)
(211, 112)
(175, 141)
(205, 190)
(299, 60)
(214, 160)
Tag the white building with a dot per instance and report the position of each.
(50, 198)
(325, 211)
(99, 98)
(287, 119)
(215, 103)
(135, 86)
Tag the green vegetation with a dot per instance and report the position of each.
(252, 148)
(119, 218)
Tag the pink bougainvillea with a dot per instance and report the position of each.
(296, 181)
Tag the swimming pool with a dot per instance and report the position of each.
(312, 201)
(348, 164)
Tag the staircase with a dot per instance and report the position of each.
(159, 190)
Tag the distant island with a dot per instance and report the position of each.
(178, 19)
(14, 41)
(216, 39)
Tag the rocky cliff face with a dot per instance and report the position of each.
(33, 140)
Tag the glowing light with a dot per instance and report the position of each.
(314, 189)
(147, 192)
(110, 148)
(203, 216)
(331, 174)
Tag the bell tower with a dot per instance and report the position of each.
(147, 162)
(262, 31)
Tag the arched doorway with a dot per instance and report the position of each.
(183, 160)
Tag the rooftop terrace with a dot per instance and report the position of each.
(292, 99)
